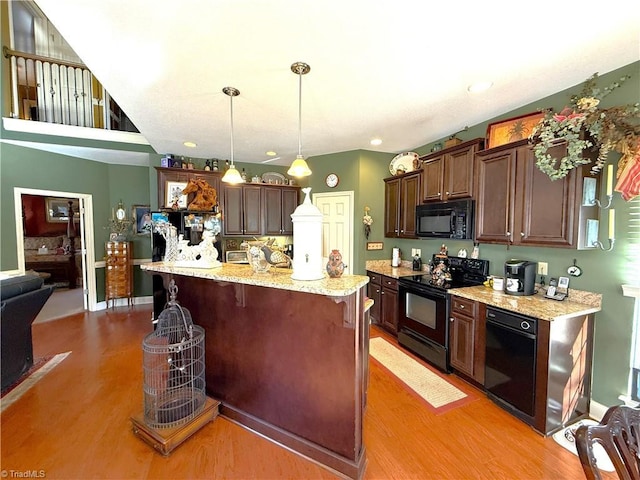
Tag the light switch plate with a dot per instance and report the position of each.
(375, 245)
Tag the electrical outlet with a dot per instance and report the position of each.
(413, 252)
(543, 268)
(418, 252)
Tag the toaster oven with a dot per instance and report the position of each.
(236, 256)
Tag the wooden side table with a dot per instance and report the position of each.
(118, 272)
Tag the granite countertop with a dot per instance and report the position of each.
(577, 303)
(383, 267)
(275, 278)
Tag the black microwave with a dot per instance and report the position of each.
(446, 220)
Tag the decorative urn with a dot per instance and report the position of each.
(307, 240)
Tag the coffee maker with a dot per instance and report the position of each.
(520, 277)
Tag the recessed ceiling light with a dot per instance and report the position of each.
(479, 87)
(190, 144)
(271, 153)
(376, 141)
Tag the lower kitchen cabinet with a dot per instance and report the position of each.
(466, 337)
(384, 292)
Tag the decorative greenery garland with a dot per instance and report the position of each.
(583, 126)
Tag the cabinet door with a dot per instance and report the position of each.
(389, 313)
(461, 337)
(458, 175)
(546, 216)
(495, 205)
(289, 205)
(433, 173)
(410, 198)
(392, 207)
(232, 213)
(252, 203)
(375, 293)
(272, 214)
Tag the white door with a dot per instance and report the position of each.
(337, 225)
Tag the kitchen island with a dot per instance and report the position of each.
(287, 359)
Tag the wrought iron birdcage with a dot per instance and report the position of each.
(173, 362)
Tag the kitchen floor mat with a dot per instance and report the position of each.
(435, 390)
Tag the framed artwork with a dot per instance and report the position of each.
(141, 214)
(57, 209)
(173, 190)
(159, 217)
(512, 129)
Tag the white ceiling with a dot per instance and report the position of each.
(397, 70)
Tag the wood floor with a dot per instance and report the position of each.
(74, 424)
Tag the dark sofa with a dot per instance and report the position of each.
(21, 299)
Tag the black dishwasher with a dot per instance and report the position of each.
(510, 363)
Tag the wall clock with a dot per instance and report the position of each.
(332, 180)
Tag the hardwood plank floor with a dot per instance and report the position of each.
(74, 424)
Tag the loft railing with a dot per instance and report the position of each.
(57, 91)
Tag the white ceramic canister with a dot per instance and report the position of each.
(307, 241)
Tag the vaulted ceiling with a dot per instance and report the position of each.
(396, 70)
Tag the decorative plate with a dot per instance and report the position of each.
(273, 177)
(403, 162)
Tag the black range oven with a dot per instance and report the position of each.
(422, 321)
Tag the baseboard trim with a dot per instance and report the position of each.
(122, 302)
(597, 410)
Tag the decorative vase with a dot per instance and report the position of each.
(335, 267)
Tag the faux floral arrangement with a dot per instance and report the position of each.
(583, 125)
(367, 220)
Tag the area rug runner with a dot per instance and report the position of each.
(40, 368)
(434, 389)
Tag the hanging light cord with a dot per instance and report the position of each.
(300, 111)
(231, 102)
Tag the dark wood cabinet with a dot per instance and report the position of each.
(518, 204)
(449, 174)
(466, 337)
(278, 204)
(384, 292)
(184, 175)
(374, 291)
(402, 195)
(242, 213)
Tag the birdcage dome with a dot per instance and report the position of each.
(174, 369)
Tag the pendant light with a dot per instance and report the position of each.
(232, 175)
(299, 167)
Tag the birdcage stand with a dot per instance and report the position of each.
(165, 440)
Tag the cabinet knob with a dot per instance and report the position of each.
(508, 234)
(461, 307)
(451, 319)
(381, 293)
(522, 234)
(447, 193)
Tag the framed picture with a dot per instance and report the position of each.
(193, 220)
(512, 129)
(159, 217)
(141, 214)
(57, 209)
(173, 190)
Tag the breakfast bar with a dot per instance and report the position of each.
(287, 359)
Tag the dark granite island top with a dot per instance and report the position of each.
(286, 358)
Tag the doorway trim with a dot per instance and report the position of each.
(86, 235)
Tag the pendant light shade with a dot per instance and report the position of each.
(232, 175)
(299, 167)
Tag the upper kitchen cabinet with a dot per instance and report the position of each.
(518, 204)
(402, 195)
(449, 174)
(183, 175)
(242, 214)
(278, 204)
